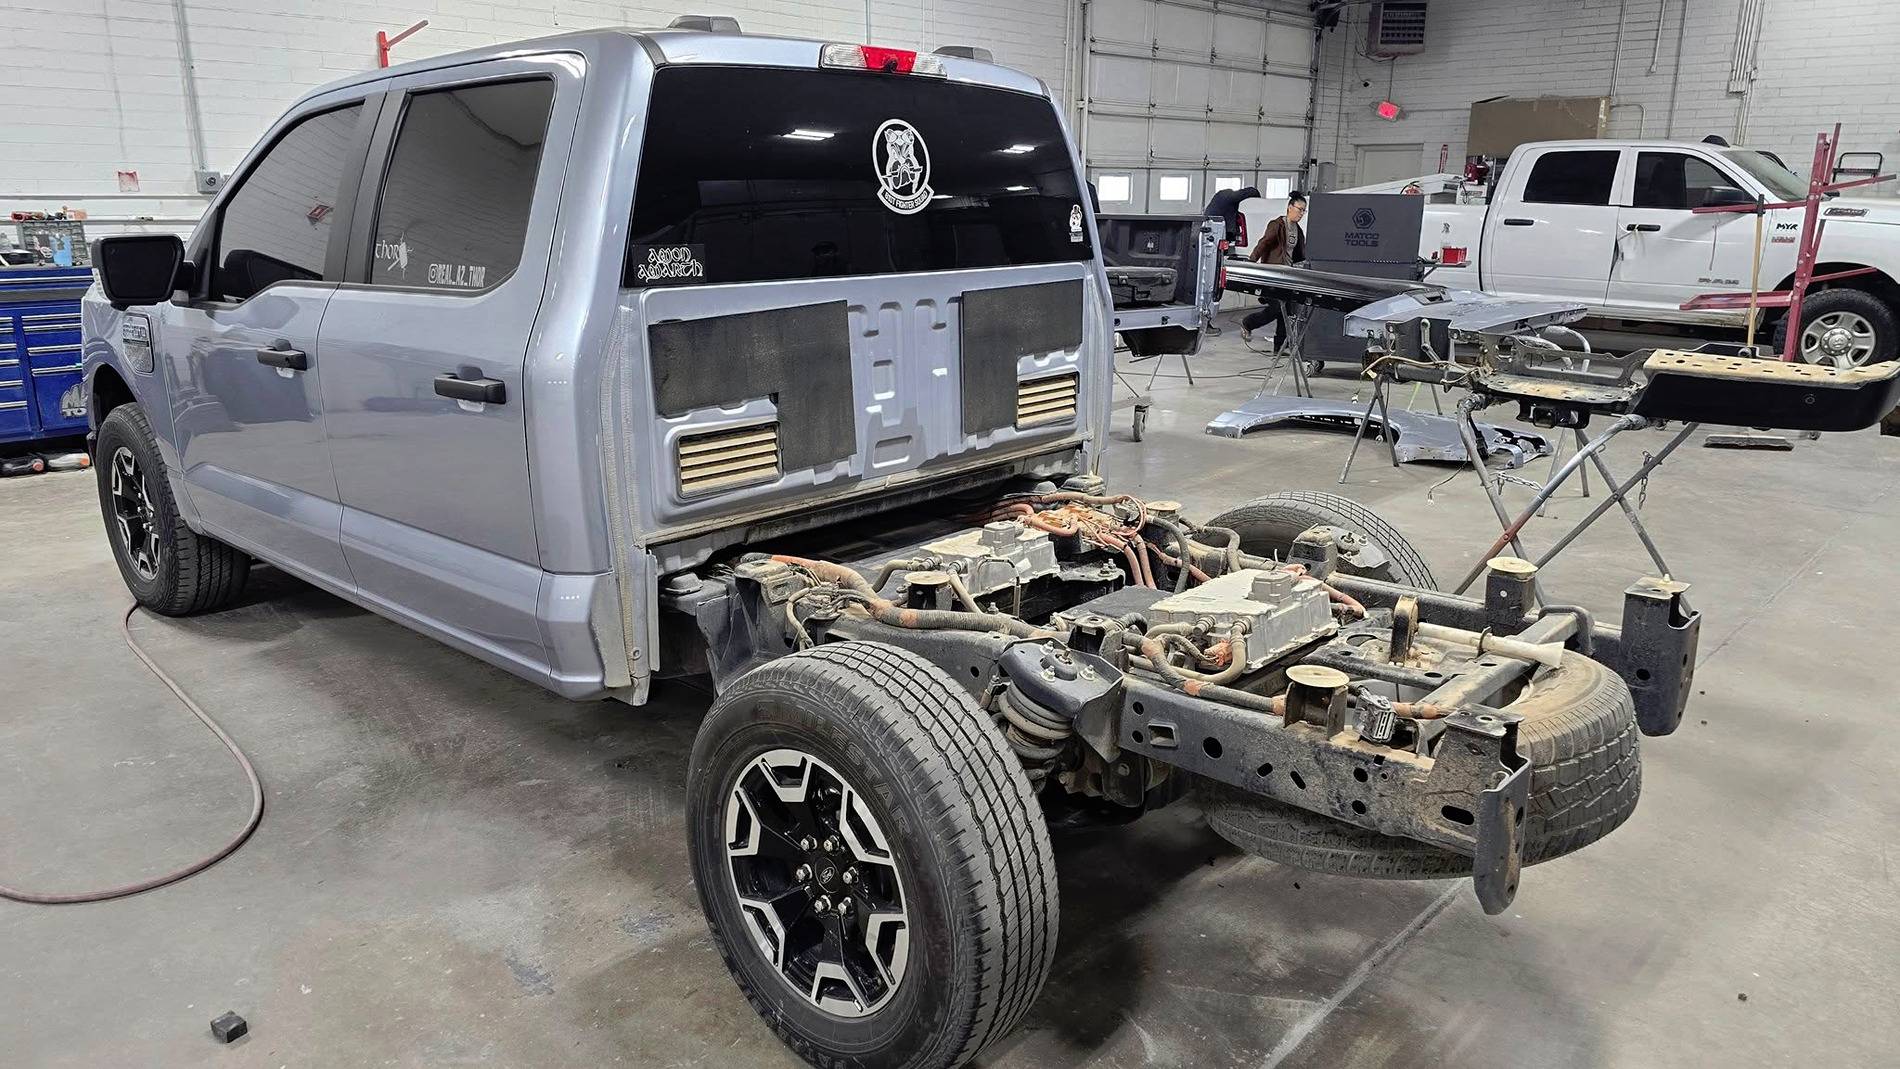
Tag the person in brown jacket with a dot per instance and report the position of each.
(1283, 243)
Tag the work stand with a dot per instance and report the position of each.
(1568, 398)
(1381, 400)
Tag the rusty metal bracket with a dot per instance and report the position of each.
(1656, 651)
(1500, 855)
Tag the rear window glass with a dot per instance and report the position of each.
(752, 174)
(1572, 177)
(455, 203)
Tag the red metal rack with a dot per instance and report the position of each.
(1826, 152)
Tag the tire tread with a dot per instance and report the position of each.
(1288, 512)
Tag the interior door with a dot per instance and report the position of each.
(1552, 232)
(244, 357)
(425, 402)
(1666, 253)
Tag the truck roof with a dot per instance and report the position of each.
(1622, 142)
(676, 46)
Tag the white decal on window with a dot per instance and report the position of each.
(902, 162)
(397, 253)
(666, 263)
(462, 276)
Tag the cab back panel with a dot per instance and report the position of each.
(903, 352)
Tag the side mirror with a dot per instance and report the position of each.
(1726, 197)
(139, 269)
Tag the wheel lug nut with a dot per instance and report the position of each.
(822, 904)
(805, 843)
(849, 876)
(803, 873)
(844, 906)
(831, 844)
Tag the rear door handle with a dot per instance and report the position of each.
(1520, 222)
(487, 391)
(1642, 228)
(284, 357)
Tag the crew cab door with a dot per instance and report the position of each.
(1666, 253)
(1552, 230)
(424, 395)
(243, 359)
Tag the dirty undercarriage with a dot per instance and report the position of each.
(1129, 654)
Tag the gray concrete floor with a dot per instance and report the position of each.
(457, 868)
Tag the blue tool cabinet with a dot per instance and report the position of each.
(42, 394)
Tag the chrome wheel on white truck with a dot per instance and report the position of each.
(1846, 329)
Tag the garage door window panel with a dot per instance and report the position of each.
(453, 214)
(278, 224)
(1572, 178)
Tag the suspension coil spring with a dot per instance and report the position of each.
(1038, 737)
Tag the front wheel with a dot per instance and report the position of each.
(871, 862)
(171, 569)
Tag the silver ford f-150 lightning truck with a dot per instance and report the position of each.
(624, 355)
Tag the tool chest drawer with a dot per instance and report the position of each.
(42, 387)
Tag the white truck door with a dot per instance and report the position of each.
(1666, 253)
(1552, 232)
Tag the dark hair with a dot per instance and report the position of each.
(1295, 197)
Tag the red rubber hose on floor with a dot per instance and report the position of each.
(250, 825)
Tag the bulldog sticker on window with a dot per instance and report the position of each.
(902, 161)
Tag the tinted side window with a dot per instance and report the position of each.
(1572, 177)
(277, 226)
(454, 208)
(1673, 180)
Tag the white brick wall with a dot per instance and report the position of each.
(98, 90)
(1820, 61)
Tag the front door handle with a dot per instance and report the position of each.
(284, 357)
(1642, 228)
(1520, 222)
(487, 391)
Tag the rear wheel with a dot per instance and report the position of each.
(872, 864)
(1268, 525)
(168, 567)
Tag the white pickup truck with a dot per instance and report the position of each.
(1609, 223)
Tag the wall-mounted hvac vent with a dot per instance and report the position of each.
(1046, 400)
(1396, 28)
(727, 459)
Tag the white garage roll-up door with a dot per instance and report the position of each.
(1187, 97)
